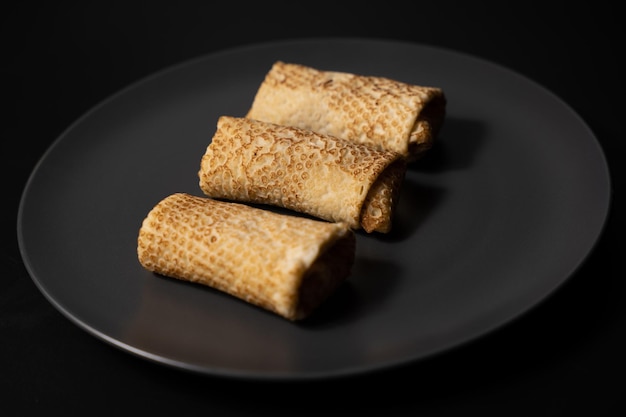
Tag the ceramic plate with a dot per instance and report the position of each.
(499, 214)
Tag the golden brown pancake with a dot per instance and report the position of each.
(305, 171)
(377, 111)
(285, 264)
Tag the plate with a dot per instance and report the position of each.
(496, 217)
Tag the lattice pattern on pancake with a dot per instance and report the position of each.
(260, 256)
(378, 111)
(302, 170)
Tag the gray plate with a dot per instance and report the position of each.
(496, 217)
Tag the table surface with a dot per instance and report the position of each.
(563, 358)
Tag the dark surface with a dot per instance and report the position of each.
(488, 196)
(563, 358)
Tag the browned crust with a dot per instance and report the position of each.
(377, 111)
(301, 170)
(379, 206)
(286, 264)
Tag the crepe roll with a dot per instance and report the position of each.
(377, 111)
(285, 264)
(301, 170)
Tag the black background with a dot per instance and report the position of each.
(564, 358)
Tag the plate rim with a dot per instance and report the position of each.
(225, 372)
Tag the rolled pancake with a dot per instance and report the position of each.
(378, 111)
(286, 264)
(302, 170)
